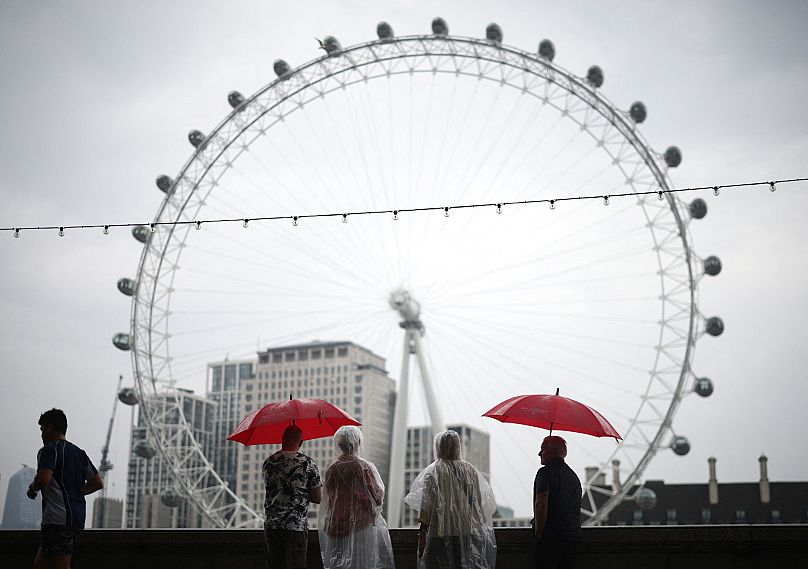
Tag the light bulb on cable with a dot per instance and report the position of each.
(605, 200)
(198, 225)
(61, 232)
(659, 196)
(294, 221)
(395, 215)
(446, 212)
(552, 204)
(344, 218)
(106, 230)
(245, 223)
(151, 227)
(715, 191)
(17, 232)
(771, 187)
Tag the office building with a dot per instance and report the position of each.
(343, 373)
(149, 503)
(20, 512)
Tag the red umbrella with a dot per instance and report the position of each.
(315, 417)
(553, 412)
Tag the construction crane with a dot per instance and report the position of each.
(105, 465)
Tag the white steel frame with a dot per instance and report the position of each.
(534, 76)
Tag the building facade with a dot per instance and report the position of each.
(149, 477)
(20, 512)
(476, 449)
(713, 502)
(342, 373)
(107, 513)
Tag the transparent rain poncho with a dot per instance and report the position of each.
(457, 504)
(352, 531)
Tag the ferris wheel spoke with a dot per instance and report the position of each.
(500, 349)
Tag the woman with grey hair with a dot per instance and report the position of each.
(353, 533)
(455, 507)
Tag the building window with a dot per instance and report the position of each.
(303, 355)
(740, 516)
(315, 354)
(358, 379)
(776, 519)
(329, 352)
(263, 359)
(672, 516)
(245, 371)
(249, 387)
(290, 356)
(229, 377)
(637, 517)
(342, 352)
(216, 377)
(705, 515)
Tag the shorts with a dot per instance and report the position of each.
(57, 540)
(286, 549)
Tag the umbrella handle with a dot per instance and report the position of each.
(551, 428)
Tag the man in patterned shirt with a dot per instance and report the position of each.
(64, 475)
(292, 482)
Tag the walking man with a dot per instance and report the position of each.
(292, 482)
(65, 475)
(556, 508)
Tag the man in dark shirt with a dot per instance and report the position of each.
(65, 475)
(292, 482)
(556, 508)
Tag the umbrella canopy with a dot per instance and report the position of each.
(315, 417)
(553, 412)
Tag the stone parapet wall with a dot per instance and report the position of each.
(668, 547)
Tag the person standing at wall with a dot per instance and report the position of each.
(556, 508)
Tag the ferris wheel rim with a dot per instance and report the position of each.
(580, 88)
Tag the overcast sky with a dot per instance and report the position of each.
(97, 98)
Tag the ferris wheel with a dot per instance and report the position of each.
(597, 298)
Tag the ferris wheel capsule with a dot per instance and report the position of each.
(547, 49)
(637, 112)
(646, 499)
(236, 100)
(714, 326)
(595, 76)
(680, 445)
(140, 233)
(127, 286)
(712, 265)
(440, 27)
(121, 341)
(144, 449)
(384, 31)
(703, 387)
(127, 396)
(171, 498)
(697, 208)
(493, 33)
(164, 183)
(196, 138)
(281, 68)
(331, 45)
(673, 156)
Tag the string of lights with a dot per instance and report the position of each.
(295, 219)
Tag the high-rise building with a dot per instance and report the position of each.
(150, 501)
(224, 387)
(107, 513)
(343, 373)
(20, 512)
(476, 449)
